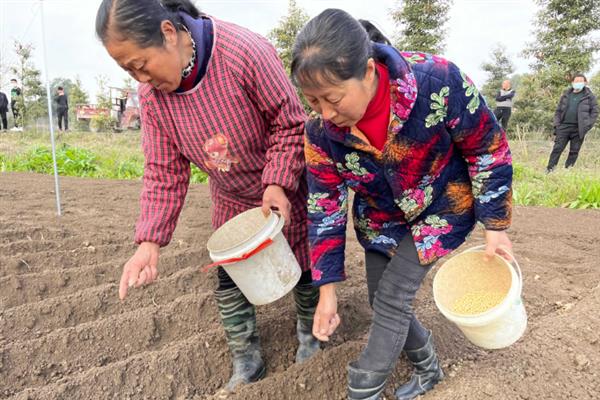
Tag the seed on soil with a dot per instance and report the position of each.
(581, 361)
(477, 302)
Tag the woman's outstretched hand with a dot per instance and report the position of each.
(141, 269)
(326, 317)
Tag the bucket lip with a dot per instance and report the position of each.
(487, 312)
(270, 223)
(269, 230)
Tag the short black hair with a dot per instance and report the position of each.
(13, 80)
(140, 20)
(332, 47)
(579, 75)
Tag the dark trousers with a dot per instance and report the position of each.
(16, 113)
(503, 115)
(4, 120)
(393, 284)
(565, 133)
(63, 115)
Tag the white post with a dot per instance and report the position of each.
(50, 117)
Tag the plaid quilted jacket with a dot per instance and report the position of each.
(243, 124)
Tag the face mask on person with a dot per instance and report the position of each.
(577, 86)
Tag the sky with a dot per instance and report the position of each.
(474, 28)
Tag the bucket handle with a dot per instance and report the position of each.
(513, 260)
(245, 256)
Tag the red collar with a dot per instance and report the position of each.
(375, 121)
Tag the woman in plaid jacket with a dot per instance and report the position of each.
(411, 136)
(216, 95)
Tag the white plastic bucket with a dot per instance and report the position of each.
(255, 254)
(497, 327)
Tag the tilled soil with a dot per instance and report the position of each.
(64, 334)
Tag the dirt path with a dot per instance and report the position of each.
(65, 335)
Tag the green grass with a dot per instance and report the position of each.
(96, 155)
(558, 189)
(119, 156)
(577, 187)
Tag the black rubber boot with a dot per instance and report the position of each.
(427, 371)
(306, 298)
(365, 385)
(247, 368)
(239, 321)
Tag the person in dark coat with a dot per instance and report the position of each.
(3, 110)
(62, 109)
(575, 115)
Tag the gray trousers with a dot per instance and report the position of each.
(392, 285)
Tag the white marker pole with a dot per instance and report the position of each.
(50, 117)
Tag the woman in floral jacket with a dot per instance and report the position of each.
(411, 136)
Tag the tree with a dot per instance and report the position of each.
(594, 83)
(33, 99)
(284, 35)
(499, 68)
(103, 95)
(76, 93)
(534, 109)
(65, 83)
(564, 45)
(422, 24)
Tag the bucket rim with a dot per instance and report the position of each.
(269, 231)
(269, 224)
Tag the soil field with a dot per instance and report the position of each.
(65, 335)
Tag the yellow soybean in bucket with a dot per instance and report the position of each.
(483, 298)
(255, 254)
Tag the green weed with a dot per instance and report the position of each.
(119, 156)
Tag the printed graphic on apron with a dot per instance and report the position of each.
(218, 154)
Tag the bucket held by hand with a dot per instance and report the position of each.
(255, 254)
(483, 298)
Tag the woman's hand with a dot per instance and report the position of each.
(275, 198)
(140, 269)
(326, 317)
(495, 240)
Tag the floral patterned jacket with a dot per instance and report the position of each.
(446, 165)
